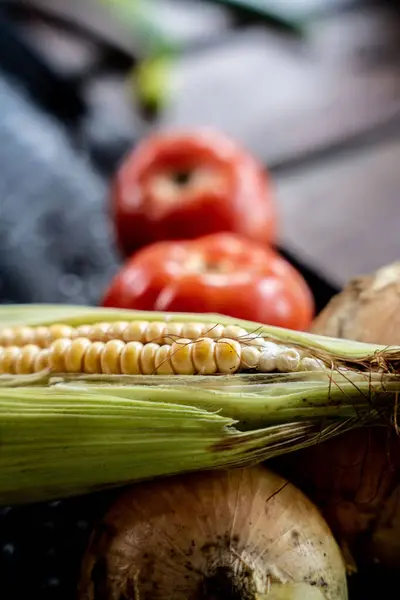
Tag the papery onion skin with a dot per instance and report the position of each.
(232, 535)
(355, 478)
(367, 310)
(385, 541)
(350, 478)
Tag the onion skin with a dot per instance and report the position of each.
(385, 543)
(231, 535)
(367, 310)
(350, 479)
(296, 591)
(355, 478)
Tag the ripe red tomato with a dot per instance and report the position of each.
(185, 185)
(223, 273)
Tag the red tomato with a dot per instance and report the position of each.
(223, 273)
(185, 185)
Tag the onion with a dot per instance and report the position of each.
(355, 478)
(243, 534)
(350, 478)
(367, 310)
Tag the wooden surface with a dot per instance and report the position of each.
(287, 99)
(297, 105)
(342, 216)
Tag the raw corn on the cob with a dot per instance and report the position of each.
(93, 397)
(140, 347)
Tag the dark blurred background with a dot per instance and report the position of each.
(310, 86)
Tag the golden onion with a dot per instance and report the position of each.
(355, 478)
(244, 534)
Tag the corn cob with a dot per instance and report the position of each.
(94, 397)
(184, 356)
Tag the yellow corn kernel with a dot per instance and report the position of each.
(41, 362)
(250, 357)
(8, 360)
(154, 332)
(23, 336)
(162, 361)
(203, 356)
(181, 357)
(135, 331)
(147, 358)
(92, 358)
(213, 331)
(130, 358)
(60, 331)
(26, 359)
(111, 357)
(143, 347)
(228, 355)
(56, 355)
(42, 336)
(7, 336)
(74, 355)
(234, 332)
(116, 330)
(99, 332)
(141, 331)
(192, 331)
(172, 332)
(84, 331)
(184, 356)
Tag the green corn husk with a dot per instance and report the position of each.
(64, 434)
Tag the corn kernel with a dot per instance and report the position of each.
(111, 357)
(42, 336)
(9, 357)
(84, 331)
(23, 336)
(234, 332)
(227, 354)
(74, 355)
(41, 362)
(100, 332)
(92, 358)
(147, 358)
(203, 356)
(267, 360)
(135, 331)
(181, 357)
(250, 357)
(311, 364)
(287, 360)
(192, 331)
(59, 331)
(163, 360)
(7, 336)
(116, 330)
(172, 332)
(130, 358)
(26, 359)
(213, 331)
(154, 332)
(57, 355)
